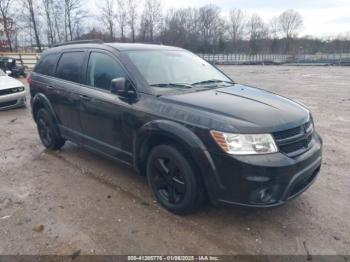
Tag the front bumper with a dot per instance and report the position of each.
(12, 100)
(265, 180)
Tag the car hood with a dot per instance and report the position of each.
(9, 82)
(243, 109)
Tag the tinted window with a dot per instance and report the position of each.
(47, 65)
(102, 69)
(69, 66)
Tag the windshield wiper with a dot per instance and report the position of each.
(178, 85)
(212, 81)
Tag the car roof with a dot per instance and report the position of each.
(114, 46)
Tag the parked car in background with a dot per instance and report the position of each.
(12, 92)
(13, 67)
(178, 120)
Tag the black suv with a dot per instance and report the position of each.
(179, 121)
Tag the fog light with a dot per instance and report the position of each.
(265, 195)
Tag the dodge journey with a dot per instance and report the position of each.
(178, 120)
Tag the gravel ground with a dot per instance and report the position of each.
(73, 200)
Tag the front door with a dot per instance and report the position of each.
(101, 112)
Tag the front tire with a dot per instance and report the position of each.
(174, 181)
(47, 130)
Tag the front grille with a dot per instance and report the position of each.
(287, 133)
(6, 104)
(296, 141)
(5, 92)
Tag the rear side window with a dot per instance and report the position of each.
(47, 65)
(102, 69)
(69, 66)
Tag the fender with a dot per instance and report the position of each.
(189, 140)
(40, 98)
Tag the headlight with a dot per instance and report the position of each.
(17, 89)
(238, 144)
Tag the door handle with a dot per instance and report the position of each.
(56, 90)
(85, 98)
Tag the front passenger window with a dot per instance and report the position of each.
(102, 69)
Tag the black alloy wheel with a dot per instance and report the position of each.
(48, 131)
(44, 131)
(174, 180)
(168, 180)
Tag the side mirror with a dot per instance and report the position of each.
(118, 86)
(123, 87)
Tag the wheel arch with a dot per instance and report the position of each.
(164, 132)
(41, 101)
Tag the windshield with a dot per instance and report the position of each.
(175, 69)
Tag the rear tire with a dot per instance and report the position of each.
(48, 131)
(174, 181)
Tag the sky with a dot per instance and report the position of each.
(322, 18)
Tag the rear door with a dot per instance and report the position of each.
(65, 92)
(43, 76)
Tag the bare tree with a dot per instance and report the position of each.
(200, 29)
(274, 27)
(48, 7)
(274, 33)
(33, 17)
(58, 20)
(209, 16)
(192, 23)
(257, 31)
(73, 15)
(175, 31)
(151, 19)
(211, 26)
(290, 22)
(5, 6)
(132, 17)
(204, 29)
(108, 15)
(121, 16)
(144, 25)
(236, 24)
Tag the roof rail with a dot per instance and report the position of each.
(151, 43)
(95, 41)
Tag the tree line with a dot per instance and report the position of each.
(37, 24)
